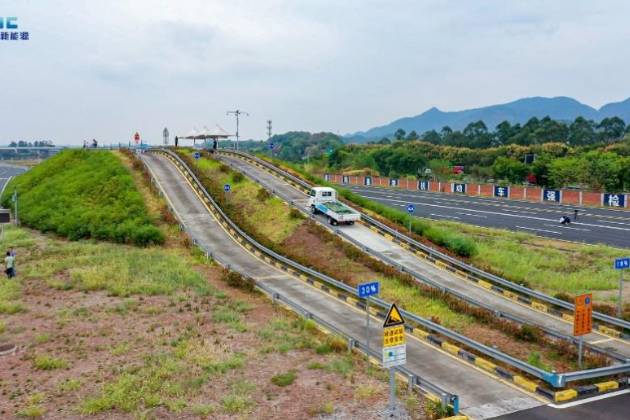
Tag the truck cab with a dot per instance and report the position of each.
(319, 195)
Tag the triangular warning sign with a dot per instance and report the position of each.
(393, 317)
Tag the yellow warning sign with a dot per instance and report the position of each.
(393, 317)
(393, 336)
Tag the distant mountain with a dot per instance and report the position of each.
(519, 111)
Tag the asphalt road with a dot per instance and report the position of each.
(8, 171)
(481, 395)
(371, 240)
(612, 408)
(594, 225)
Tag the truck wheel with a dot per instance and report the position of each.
(351, 223)
(313, 210)
(330, 221)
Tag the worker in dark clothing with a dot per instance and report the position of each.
(176, 141)
(575, 214)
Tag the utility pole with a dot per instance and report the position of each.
(268, 129)
(237, 113)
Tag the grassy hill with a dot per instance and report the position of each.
(83, 194)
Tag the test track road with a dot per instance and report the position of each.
(481, 396)
(594, 225)
(7, 172)
(410, 261)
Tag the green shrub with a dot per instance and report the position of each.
(284, 379)
(295, 214)
(48, 363)
(237, 177)
(84, 194)
(529, 333)
(234, 279)
(263, 194)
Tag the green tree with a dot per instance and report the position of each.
(602, 170)
(432, 136)
(510, 169)
(503, 132)
(565, 171)
(611, 129)
(581, 132)
(412, 136)
(399, 134)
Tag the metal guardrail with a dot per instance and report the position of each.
(447, 258)
(426, 280)
(414, 380)
(552, 378)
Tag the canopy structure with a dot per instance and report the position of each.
(215, 133)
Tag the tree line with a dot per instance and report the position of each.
(476, 134)
(598, 167)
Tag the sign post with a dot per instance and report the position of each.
(15, 201)
(365, 290)
(196, 155)
(394, 349)
(582, 320)
(621, 264)
(226, 190)
(410, 209)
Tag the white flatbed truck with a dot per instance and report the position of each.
(324, 200)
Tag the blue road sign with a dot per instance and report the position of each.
(411, 208)
(423, 185)
(614, 200)
(197, 155)
(622, 263)
(226, 188)
(459, 188)
(551, 195)
(271, 146)
(368, 289)
(500, 191)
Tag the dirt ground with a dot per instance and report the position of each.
(217, 354)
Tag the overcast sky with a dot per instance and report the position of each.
(106, 69)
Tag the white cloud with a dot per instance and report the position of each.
(108, 68)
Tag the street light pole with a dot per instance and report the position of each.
(237, 113)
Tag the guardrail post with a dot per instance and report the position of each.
(455, 402)
(411, 380)
(350, 344)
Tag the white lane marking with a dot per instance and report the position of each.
(588, 400)
(605, 340)
(539, 230)
(473, 215)
(443, 215)
(471, 200)
(500, 214)
(5, 185)
(567, 227)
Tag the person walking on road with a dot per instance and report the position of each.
(176, 141)
(575, 214)
(9, 262)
